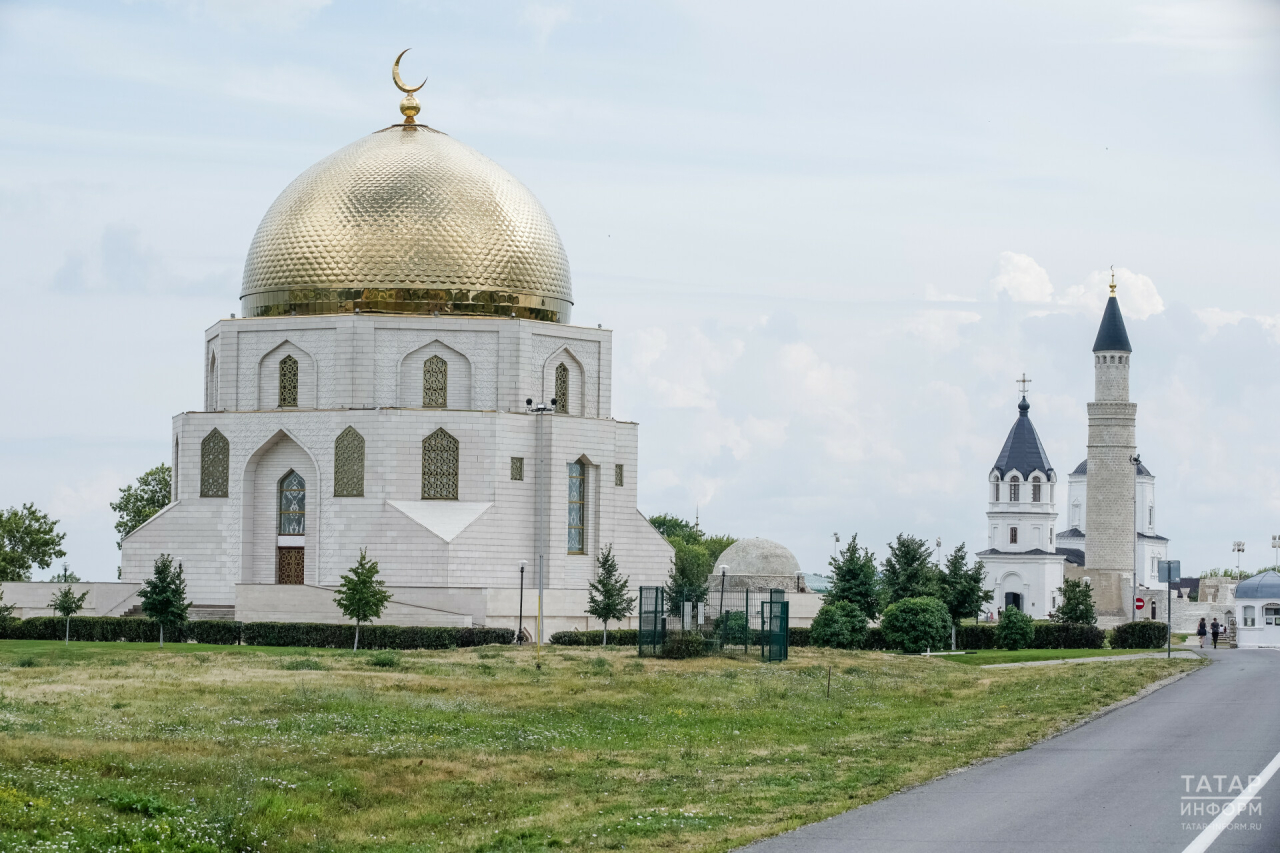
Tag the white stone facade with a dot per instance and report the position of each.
(365, 371)
(1149, 546)
(1110, 551)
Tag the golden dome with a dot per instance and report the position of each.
(407, 220)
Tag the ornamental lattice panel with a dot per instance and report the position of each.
(435, 383)
(439, 467)
(348, 464)
(562, 388)
(517, 467)
(288, 381)
(290, 565)
(215, 459)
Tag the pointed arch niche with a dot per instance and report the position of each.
(563, 371)
(274, 378)
(348, 464)
(420, 378)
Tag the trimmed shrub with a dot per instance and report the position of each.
(326, 636)
(874, 640)
(101, 629)
(1015, 630)
(1067, 635)
(838, 625)
(917, 624)
(973, 637)
(620, 637)
(799, 638)
(683, 644)
(1144, 634)
(216, 632)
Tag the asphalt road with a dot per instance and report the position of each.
(1115, 784)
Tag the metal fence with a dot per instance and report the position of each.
(730, 620)
(653, 620)
(774, 630)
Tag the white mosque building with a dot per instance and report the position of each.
(1027, 554)
(403, 378)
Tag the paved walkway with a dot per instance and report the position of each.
(1145, 777)
(1091, 659)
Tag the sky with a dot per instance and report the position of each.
(828, 237)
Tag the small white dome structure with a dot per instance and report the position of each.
(760, 564)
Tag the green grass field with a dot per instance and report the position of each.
(122, 747)
(987, 656)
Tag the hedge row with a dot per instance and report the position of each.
(110, 629)
(1144, 634)
(621, 637)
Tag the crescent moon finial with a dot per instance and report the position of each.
(395, 75)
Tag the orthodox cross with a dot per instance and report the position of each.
(1023, 383)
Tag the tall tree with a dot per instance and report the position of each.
(140, 501)
(908, 570)
(361, 595)
(853, 579)
(690, 567)
(1077, 603)
(68, 604)
(164, 595)
(715, 546)
(672, 527)
(28, 539)
(963, 588)
(607, 598)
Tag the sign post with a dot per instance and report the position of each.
(1169, 571)
(1139, 603)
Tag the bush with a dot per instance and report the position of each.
(1144, 634)
(216, 632)
(620, 637)
(326, 636)
(1067, 635)
(1015, 630)
(839, 625)
(973, 637)
(101, 629)
(683, 644)
(732, 629)
(917, 624)
(386, 659)
(874, 640)
(799, 638)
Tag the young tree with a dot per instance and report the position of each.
(916, 624)
(1015, 630)
(962, 588)
(689, 570)
(141, 501)
(853, 579)
(361, 596)
(27, 539)
(164, 595)
(607, 598)
(64, 576)
(908, 570)
(68, 604)
(1077, 603)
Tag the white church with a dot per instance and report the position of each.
(1027, 555)
(403, 377)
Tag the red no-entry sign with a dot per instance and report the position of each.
(1138, 603)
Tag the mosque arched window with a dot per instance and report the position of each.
(577, 508)
(435, 383)
(1035, 490)
(1015, 489)
(293, 505)
(348, 464)
(215, 463)
(211, 396)
(562, 388)
(288, 382)
(440, 467)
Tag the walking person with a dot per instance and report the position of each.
(1215, 629)
(1201, 631)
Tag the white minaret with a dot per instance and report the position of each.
(1109, 545)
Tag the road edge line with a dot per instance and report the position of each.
(1212, 831)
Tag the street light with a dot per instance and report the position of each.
(1237, 548)
(520, 628)
(1275, 544)
(835, 549)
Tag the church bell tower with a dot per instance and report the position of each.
(1109, 546)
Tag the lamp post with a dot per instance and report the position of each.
(520, 624)
(835, 548)
(1275, 545)
(1237, 548)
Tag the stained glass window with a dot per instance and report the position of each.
(517, 467)
(577, 508)
(215, 459)
(288, 381)
(293, 504)
(435, 383)
(617, 475)
(440, 467)
(562, 388)
(348, 464)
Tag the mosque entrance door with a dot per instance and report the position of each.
(1013, 599)
(289, 565)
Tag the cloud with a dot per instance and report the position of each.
(1136, 292)
(543, 20)
(237, 14)
(120, 262)
(938, 327)
(1216, 318)
(1022, 278)
(935, 294)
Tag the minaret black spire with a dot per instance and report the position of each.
(1112, 336)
